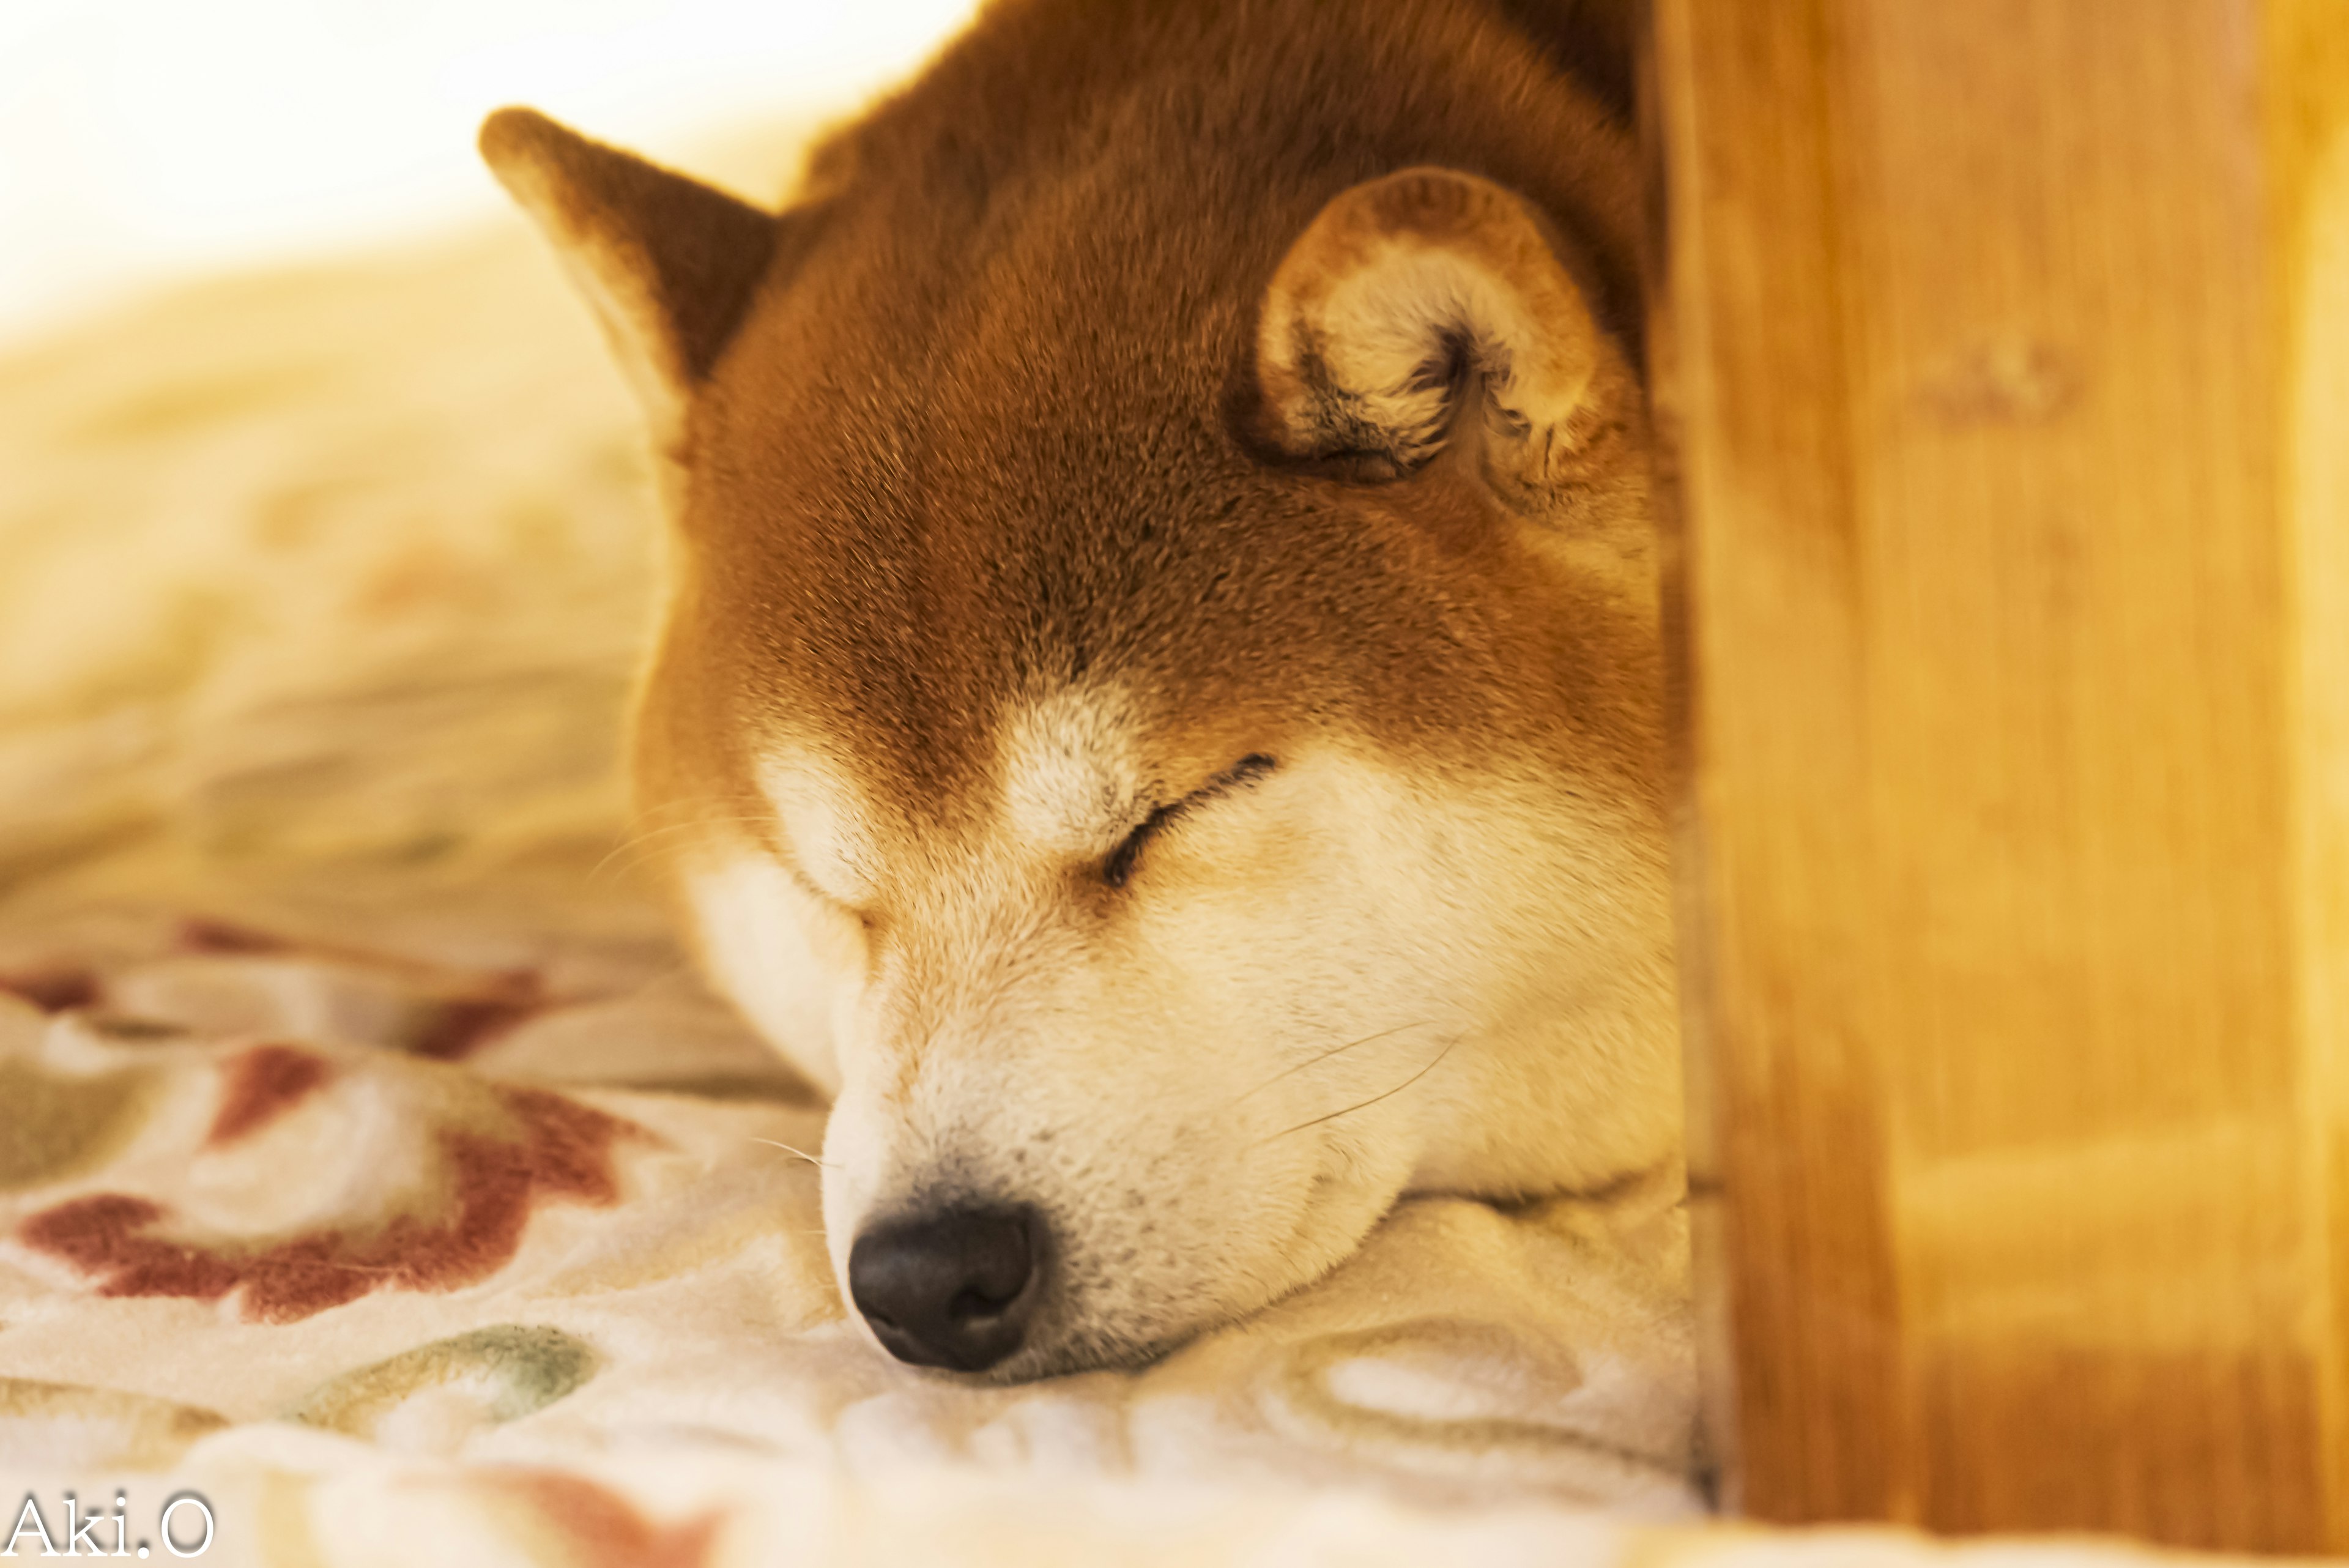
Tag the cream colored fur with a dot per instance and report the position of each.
(1364, 960)
(1341, 987)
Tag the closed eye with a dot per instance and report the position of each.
(1118, 869)
(807, 885)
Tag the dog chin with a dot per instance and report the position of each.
(1083, 1337)
(1100, 1346)
(1088, 1350)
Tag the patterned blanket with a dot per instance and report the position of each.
(278, 1209)
(364, 1147)
(375, 1183)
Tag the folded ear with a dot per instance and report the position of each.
(1410, 293)
(668, 263)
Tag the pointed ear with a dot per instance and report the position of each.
(1410, 295)
(668, 263)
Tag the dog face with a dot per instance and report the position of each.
(1159, 716)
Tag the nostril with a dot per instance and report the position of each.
(951, 1289)
(970, 1303)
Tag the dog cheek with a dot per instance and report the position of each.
(1165, 1234)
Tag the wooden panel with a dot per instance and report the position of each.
(2005, 360)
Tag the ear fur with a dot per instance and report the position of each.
(1408, 293)
(668, 263)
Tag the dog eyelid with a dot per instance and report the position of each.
(807, 885)
(1118, 869)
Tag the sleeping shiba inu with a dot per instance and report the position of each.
(1160, 661)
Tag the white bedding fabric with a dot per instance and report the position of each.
(371, 1163)
(318, 598)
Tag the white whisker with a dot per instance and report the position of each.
(787, 1149)
(1374, 1099)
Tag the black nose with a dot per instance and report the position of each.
(955, 1289)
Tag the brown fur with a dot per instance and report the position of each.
(997, 365)
(1159, 400)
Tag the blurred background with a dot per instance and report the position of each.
(145, 138)
(326, 545)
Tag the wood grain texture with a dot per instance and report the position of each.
(2003, 351)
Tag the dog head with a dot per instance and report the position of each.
(1157, 701)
